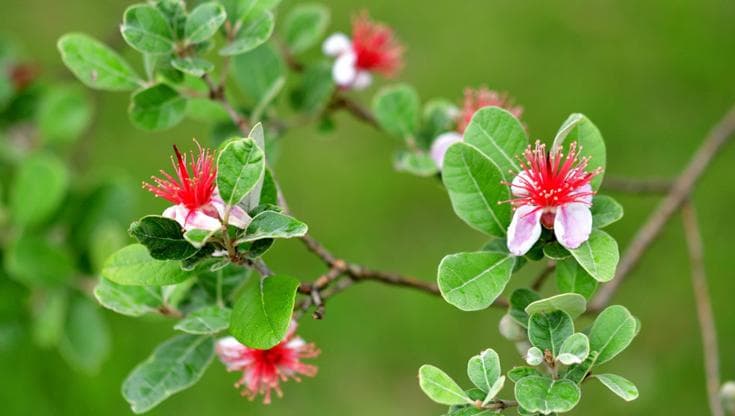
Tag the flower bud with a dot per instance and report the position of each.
(510, 330)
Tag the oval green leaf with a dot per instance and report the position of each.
(95, 64)
(598, 256)
(571, 303)
(539, 394)
(133, 265)
(128, 300)
(621, 386)
(548, 331)
(440, 387)
(304, 26)
(240, 166)
(397, 109)
(472, 281)
(578, 128)
(157, 108)
(612, 332)
(207, 320)
(38, 189)
(254, 32)
(203, 22)
(475, 189)
(499, 136)
(146, 29)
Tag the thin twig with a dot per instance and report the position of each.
(538, 282)
(704, 307)
(680, 190)
(340, 101)
(638, 186)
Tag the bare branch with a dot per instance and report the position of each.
(680, 190)
(704, 308)
(538, 282)
(638, 186)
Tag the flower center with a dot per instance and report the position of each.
(192, 189)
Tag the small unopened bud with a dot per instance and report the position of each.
(510, 330)
(727, 395)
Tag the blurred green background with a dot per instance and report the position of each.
(653, 75)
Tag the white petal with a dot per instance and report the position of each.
(573, 224)
(344, 71)
(362, 80)
(177, 213)
(519, 184)
(441, 144)
(336, 44)
(524, 230)
(197, 219)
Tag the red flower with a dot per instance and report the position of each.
(263, 370)
(482, 97)
(553, 191)
(373, 48)
(193, 192)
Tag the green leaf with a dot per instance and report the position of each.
(207, 320)
(484, 369)
(498, 135)
(38, 189)
(415, 162)
(195, 67)
(472, 281)
(34, 261)
(315, 90)
(438, 117)
(253, 33)
(49, 316)
(574, 350)
(262, 314)
(157, 108)
(571, 277)
(95, 64)
(260, 73)
(198, 238)
(175, 365)
(578, 128)
(517, 373)
(163, 237)
(618, 385)
(203, 22)
(175, 13)
(304, 26)
(475, 189)
(556, 251)
(397, 110)
(146, 29)
(543, 395)
(86, 340)
(612, 332)
(534, 356)
(240, 165)
(440, 387)
(134, 266)
(271, 224)
(578, 372)
(519, 300)
(605, 211)
(571, 303)
(548, 331)
(63, 114)
(244, 9)
(598, 256)
(128, 300)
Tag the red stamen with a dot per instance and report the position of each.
(192, 189)
(482, 97)
(375, 46)
(552, 180)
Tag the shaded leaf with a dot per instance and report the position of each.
(38, 189)
(163, 237)
(304, 26)
(133, 265)
(128, 300)
(207, 320)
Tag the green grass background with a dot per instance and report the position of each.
(653, 75)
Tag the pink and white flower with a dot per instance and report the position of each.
(373, 48)
(474, 99)
(263, 370)
(198, 204)
(553, 191)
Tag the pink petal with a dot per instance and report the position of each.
(177, 213)
(524, 229)
(238, 216)
(363, 79)
(199, 220)
(585, 190)
(573, 224)
(441, 144)
(336, 44)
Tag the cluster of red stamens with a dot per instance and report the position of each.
(192, 190)
(551, 180)
(483, 97)
(375, 46)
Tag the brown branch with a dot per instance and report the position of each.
(538, 282)
(704, 307)
(340, 101)
(638, 186)
(217, 93)
(680, 190)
